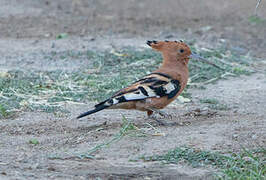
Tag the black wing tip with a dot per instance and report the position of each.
(88, 113)
(79, 117)
(83, 115)
(98, 107)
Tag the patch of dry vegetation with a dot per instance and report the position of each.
(107, 72)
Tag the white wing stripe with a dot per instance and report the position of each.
(169, 88)
(133, 96)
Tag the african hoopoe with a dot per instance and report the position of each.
(156, 90)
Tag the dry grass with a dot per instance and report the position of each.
(107, 72)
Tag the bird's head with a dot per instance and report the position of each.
(177, 49)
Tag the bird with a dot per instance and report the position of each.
(156, 90)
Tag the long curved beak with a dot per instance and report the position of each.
(198, 57)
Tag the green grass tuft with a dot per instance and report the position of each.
(34, 141)
(221, 107)
(215, 104)
(61, 36)
(209, 101)
(3, 111)
(247, 164)
(256, 20)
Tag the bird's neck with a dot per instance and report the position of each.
(174, 67)
(172, 59)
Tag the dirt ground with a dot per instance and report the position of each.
(28, 29)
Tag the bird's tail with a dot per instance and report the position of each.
(97, 108)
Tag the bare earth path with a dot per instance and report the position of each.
(27, 32)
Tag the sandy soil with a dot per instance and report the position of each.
(28, 30)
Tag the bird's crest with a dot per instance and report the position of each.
(161, 45)
(179, 48)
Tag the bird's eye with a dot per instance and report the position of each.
(181, 50)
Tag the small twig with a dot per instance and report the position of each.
(152, 126)
(258, 4)
(208, 62)
(193, 77)
(227, 74)
(211, 80)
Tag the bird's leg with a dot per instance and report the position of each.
(164, 114)
(149, 113)
(160, 122)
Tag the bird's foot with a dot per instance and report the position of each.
(161, 113)
(159, 122)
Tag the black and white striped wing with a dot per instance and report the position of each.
(148, 87)
(155, 85)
